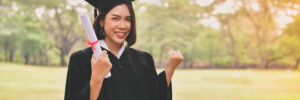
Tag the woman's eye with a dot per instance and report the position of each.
(128, 19)
(115, 18)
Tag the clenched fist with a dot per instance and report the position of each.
(100, 66)
(175, 58)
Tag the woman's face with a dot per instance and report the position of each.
(117, 24)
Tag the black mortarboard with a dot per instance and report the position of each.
(106, 5)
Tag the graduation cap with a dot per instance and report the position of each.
(106, 5)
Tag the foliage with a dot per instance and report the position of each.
(245, 36)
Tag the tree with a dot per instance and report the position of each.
(264, 28)
(176, 30)
(22, 32)
(293, 42)
(60, 25)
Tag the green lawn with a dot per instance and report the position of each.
(24, 82)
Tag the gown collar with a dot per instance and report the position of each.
(103, 44)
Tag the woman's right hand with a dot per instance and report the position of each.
(100, 67)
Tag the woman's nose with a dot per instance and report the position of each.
(122, 25)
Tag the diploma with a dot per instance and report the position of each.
(92, 39)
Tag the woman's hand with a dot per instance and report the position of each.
(175, 58)
(100, 67)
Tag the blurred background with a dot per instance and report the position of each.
(233, 49)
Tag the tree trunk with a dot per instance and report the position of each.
(34, 60)
(210, 57)
(297, 63)
(267, 64)
(62, 59)
(64, 38)
(42, 59)
(268, 61)
(191, 64)
(47, 61)
(6, 50)
(184, 64)
(11, 55)
(236, 61)
(26, 57)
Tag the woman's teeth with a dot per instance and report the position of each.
(121, 33)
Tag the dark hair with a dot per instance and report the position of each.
(131, 38)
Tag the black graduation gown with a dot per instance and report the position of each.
(134, 77)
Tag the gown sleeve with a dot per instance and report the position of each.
(162, 91)
(77, 82)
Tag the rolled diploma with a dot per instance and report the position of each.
(91, 35)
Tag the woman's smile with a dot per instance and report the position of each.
(120, 34)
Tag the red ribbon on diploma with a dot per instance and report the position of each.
(92, 43)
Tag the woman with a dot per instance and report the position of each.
(133, 74)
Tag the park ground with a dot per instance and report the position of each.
(26, 82)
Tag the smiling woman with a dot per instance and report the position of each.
(120, 19)
(133, 74)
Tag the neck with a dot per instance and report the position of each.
(113, 47)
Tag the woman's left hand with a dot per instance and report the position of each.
(175, 58)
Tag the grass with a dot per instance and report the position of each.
(236, 85)
(25, 82)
